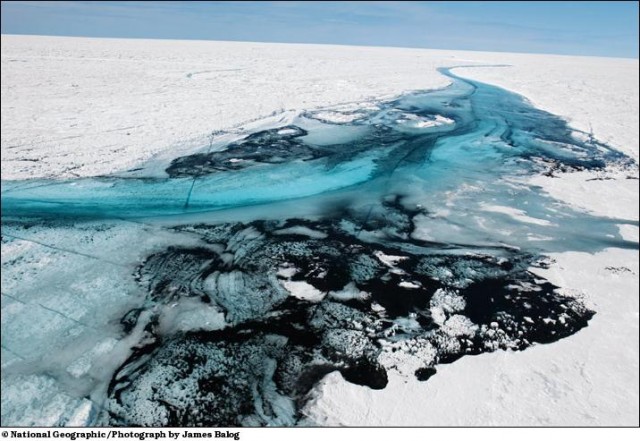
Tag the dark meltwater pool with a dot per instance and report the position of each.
(395, 236)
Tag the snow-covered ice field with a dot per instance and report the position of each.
(75, 107)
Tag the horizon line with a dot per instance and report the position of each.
(324, 44)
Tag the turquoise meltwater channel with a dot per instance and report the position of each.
(424, 145)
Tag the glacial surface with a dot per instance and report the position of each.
(360, 240)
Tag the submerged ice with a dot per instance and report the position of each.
(219, 292)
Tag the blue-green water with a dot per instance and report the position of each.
(412, 225)
(460, 167)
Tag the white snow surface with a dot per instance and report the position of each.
(85, 107)
(588, 379)
(596, 95)
(304, 291)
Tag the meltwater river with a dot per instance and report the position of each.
(450, 151)
(393, 237)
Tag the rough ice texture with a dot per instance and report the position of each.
(596, 95)
(64, 99)
(85, 107)
(588, 379)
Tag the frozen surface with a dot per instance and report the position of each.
(597, 95)
(64, 99)
(371, 278)
(589, 379)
